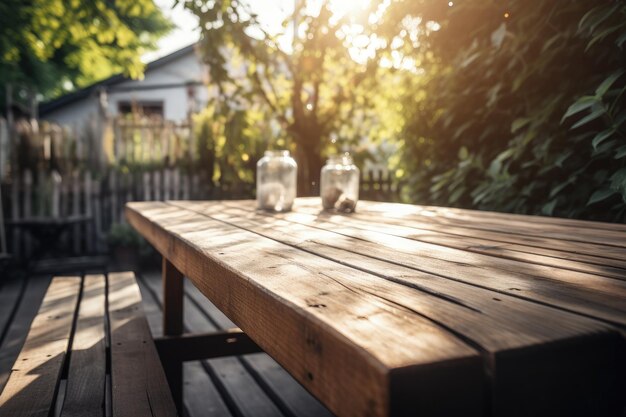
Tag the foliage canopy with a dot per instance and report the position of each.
(524, 107)
(48, 45)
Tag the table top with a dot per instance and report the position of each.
(413, 310)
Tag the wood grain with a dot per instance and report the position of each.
(15, 334)
(231, 381)
(497, 323)
(32, 385)
(592, 295)
(401, 215)
(470, 241)
(298, 315)
(87, 369)
(539, 326)
(139, 387)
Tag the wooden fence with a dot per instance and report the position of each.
(99, 202)
(85, 176)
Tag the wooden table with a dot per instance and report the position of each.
(409, 310)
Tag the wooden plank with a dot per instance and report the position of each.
(537, 243)
(146, 186)
(587, 294)
(335, 353)
(173, 299)
(90, 236)
(156, 185)
(283, 389)
(99, 210)
(248, 383)
(76, 197)
(201, 398)
(15, 216)
(11, 292)
(113, 191)
(280, 386)
(521, 219)
(206, 346)
(27, 206)
(139, 387)
(489, 322)
(18, 329)
(84, 395)
(167, 183)
(574, 230)
(478, 243)
(32, 386)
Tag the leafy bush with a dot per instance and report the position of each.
(524, 109)
(124, 235)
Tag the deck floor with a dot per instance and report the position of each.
(239, 386)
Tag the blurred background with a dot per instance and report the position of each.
(505, 105)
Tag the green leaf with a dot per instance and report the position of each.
(600, 195)
(562, 158)
(600, 36)
(548, 208)
(621, 152)
(595, 17)
(620, 40)
(589, 118)
(618, 180)
(600, 137)
(456, 195)
(606, 84)
(519, 123)
(581, 104)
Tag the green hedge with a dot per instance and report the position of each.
(525, 109)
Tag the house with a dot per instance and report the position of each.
(173, 86)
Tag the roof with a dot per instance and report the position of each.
(52, 105)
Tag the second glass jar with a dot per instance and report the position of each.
(339, 186)
(276, 180)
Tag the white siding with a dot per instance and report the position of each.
(184, 69)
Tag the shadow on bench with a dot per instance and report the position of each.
(89, 352)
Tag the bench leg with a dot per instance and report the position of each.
(173, 326)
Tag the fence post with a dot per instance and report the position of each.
(15, 214)
(28, 208)
(167, 183)
(156, 176)
(176, 180)
(55, 209)
(89, 233)
(76, 211)
(146, 186)
(186, 186)
(113, 196)
(98, 212)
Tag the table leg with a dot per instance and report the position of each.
(173, 326)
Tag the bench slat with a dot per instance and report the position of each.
(33, 383)
(87, 371)
(139, 387)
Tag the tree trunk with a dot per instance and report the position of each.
(309, 162)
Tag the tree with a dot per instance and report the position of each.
(522, 108)
(50, 45)
(312, 87)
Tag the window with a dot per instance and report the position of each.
(143, 108)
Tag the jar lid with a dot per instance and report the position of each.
(340, 159)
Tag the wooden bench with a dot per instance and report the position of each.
(89, 352)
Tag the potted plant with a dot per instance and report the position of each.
(126, 247)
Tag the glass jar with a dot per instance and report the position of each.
(340, 184)
(276, 181)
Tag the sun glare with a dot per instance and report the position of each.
(342, 8)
